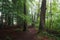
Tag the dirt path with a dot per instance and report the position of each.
(13, 35)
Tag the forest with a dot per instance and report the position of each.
(29, 20)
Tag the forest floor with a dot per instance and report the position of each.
(10, 34)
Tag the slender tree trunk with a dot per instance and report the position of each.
(25, 23)
(8, 19)
(42, 15)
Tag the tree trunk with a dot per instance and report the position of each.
(25, 23)
(42, 15)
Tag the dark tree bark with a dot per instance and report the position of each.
(25, 23)
(9, 20)
(42, 15)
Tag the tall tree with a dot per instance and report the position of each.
(42, 15)
(6, 12)
(25, 23)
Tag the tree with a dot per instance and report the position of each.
(7, 7)
(6, 14)
(25, 22)
(42, 15)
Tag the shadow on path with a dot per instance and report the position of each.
(14, 35)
